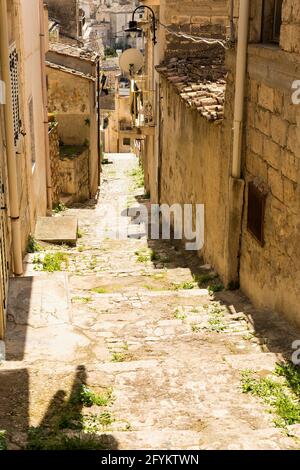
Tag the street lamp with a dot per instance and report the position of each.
(133, 28)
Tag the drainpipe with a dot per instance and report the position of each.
(236, 183)
(45, 108)
(99, 122)
(10, 145)
(241, 64)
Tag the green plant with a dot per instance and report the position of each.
(145, 255)
(118, 357)
(99, 290)
(154, 256)
(179, 315)
(216, 321)
(52, 261)
(137, 175)
(95, 423)
(43, 439)
(79, 233)
(196, 328)
(82, 300)
(215, 288)
(32, 245)
(201, 279)
(187, 285)
(89, 398)
(59, 207)
(280, 391)
(3, 445)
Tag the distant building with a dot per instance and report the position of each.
(72, 75)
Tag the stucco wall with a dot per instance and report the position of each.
(194, 170)
(72, 99)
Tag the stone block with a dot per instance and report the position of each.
(57, 229)
(256, 166)
(293, 141)
(290, 38)
(278, 101)
(276, 183)
(291, 195)
(266, 97)
(262, 120)
(279, 129)
(290, 166)
(255, 141)
(271, 153)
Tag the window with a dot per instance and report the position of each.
(271, 21)
(256, 211)
(14, 76)
(32, 135)
(126, 141)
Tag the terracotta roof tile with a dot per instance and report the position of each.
(200, 81)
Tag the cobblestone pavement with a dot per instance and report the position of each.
(123, 349)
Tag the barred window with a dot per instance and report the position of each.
(14, 75)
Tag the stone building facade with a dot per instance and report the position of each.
(25, 184)
(72, 94)
(189, 158)
(270, 274)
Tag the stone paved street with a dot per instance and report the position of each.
(126, 320)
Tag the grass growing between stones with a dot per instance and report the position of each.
(81, 300)
(137, 174)
(51, 262)
(3, 445)
(280, 391)
(99, 290)
(118, 357)
(42, 440)
(186, 285)
(143, 256)
(32, 245)
(65, 419)
(89, 398)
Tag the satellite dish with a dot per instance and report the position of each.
(131, 61)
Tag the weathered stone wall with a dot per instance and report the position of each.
(271, 274)
(74, 176)
(54, 162)
(67, 13)
(72, 98)
(207, 18)
(193, 169)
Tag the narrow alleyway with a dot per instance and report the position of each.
(126, 348)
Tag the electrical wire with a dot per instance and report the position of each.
(197, 39)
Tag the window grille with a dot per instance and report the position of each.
(14, 76)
